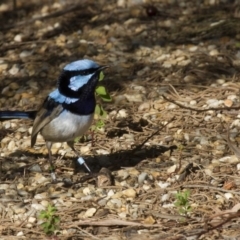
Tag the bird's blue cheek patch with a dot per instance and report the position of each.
(77, 82)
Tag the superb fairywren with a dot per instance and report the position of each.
(68, 111)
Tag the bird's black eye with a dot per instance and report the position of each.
(84, 73)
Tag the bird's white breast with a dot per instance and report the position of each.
(66, 127)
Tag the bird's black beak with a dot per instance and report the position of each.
(102, 68)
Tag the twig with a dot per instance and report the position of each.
(153, 134)
(200, 110)
(51, 15)
(88, 234)
(112, 222)
(234, 215)
(14, 5)
(210, 187)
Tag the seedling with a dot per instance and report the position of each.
(182, 202)
(51, 220)
(100, 113)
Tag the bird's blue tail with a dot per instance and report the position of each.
(17, 114)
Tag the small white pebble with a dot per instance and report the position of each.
(14, 70)
(186, 137)
(211, 47)
(193, 48)
(121, 3)
(171, 106)
(146, 187)
(169, 205)
(122, 114)
(232, 97)
(90, 212)
(165, 197)
(131, 193)
(25, 54)
(138, 97)
(220, 199)
(144, 106)
(38, 206)
(172, 169)
(213, 103)
(228, 195)
(163, 184)
(110, 193)
(87, 191)
(7, 125)
(20, 234)
(189, 79)
(167, 64)
(238, 166)
(220, 81)
(214, 52)
(11, 145)
(122, 215)
(18, 38)
(29, 225)
(32, 219)
(142, 177)
(193, 102)
(41, 196)
(207, 118)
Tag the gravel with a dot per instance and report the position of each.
(174, 80)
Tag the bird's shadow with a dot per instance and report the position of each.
(113, 161)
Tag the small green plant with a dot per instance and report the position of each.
(100, 113)
(51, 220)
(182, 202)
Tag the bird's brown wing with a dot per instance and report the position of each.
(49, 110)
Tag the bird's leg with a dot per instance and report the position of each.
(80, 159)
(52, 168)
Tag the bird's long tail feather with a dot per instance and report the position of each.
(17, 114)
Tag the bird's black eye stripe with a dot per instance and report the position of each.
(80, 72)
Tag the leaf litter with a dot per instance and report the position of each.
(173, 124)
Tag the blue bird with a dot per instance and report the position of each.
(68, 111)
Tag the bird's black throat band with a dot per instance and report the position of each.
(81, 107)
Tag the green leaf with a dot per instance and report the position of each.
(100, 124)
(97, 109)
(56, 220)
(52, 209)
(43, 215)
(100, 111)
(44, 225)
(103, 113)
(102, 92)
(101, 76)
(77, 139)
